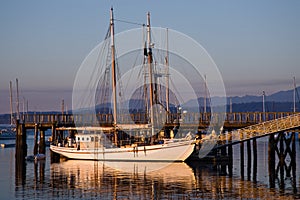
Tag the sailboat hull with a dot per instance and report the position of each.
(175, 151)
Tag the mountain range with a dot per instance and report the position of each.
(281, 101)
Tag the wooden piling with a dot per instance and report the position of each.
(36, 134)
(254, 144)
(293, 156)
(249, 160)
(281, 159)
(293, 162)
(230, 156)
(21, 153)
(242, 159)
(42, 146)
(271, 161)
(53, 132)
(21, 145)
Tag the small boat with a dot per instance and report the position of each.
(36, 157)
(128, 142)
(7, 133)
(4, 145)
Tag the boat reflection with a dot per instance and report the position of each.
(129, 180)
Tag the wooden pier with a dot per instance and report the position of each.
(200, 121)
(232, 120)
(241, 129)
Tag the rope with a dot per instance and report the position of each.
(129, 22)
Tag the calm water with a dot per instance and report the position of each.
(96, 180)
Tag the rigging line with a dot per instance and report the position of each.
(101, 95)
(129, 22)
(102, 74)
(131, 70)
(177, 92)
(161, 50)
(136, 104)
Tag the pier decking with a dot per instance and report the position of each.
(202, 120)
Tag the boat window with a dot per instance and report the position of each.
(78, 138)
(87, 138)
(82, 138)
(92, 139)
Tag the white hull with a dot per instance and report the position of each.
(172, 151)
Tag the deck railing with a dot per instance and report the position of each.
(288, 122)
(184, 118)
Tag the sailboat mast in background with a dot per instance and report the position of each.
(18, 100)
(11, 103)
(167, 77)
(294, 79)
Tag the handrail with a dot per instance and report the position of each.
(265, 128)
(185, 118)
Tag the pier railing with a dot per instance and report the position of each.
(266, 128)
(183, 118)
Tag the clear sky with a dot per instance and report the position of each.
(255, 44)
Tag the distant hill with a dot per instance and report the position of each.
(281, 101)
(281, 96)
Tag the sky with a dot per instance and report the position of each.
(255, 44)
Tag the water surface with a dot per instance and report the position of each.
(97, 180)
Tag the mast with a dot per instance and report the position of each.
(264, 109)
(23, 107)
(294, 93)
(62, 106)
(113, 67)
(18, 104)
(230, 105)
(145, 74)
(113, 72)
(167, 77)
(205, 93)
(150, 72)
(11, 103)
